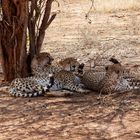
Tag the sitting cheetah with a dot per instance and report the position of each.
(30, 86)
(91, 78)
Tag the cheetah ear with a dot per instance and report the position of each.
(106, 68)
(81, 65)
(51, 82)
(114, 61)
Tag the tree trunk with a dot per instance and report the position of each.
(39, 21)
(13, 32)
(13, 29)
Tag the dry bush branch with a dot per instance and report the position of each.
(40, 15)
(43, 25)
(90, 9)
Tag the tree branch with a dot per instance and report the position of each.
(24, 36)
(44, 25)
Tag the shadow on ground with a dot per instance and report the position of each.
(80, 117)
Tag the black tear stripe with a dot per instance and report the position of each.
(51, 82)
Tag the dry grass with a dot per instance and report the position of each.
(71, 34)
(116, 5)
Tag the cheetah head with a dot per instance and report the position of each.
(42, 59)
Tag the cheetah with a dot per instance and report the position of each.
(40, 61)
(116, 77)
(66, 80)
(42, 58)
(37, 85)
(115, 80)
(30, 86)
(91, 78)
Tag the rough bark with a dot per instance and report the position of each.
(13, 32)
(36, 35)
(40, 19)
(13, 35)
(45, 24)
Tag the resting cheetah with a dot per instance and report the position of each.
(91, 78)
(36, 85)
(30, 86)
(116, 78)
(66, 80)
(116, 81)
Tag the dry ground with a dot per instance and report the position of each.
(81, 117)
(75, 118)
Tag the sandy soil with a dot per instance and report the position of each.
(80, 117)
(71, 34)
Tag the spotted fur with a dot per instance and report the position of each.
(66, 80)
(69, 64)
(30, 86)
(115, 79)
(41, 81)
(39, 61)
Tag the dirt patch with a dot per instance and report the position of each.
(72, 34)
(76, 117)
